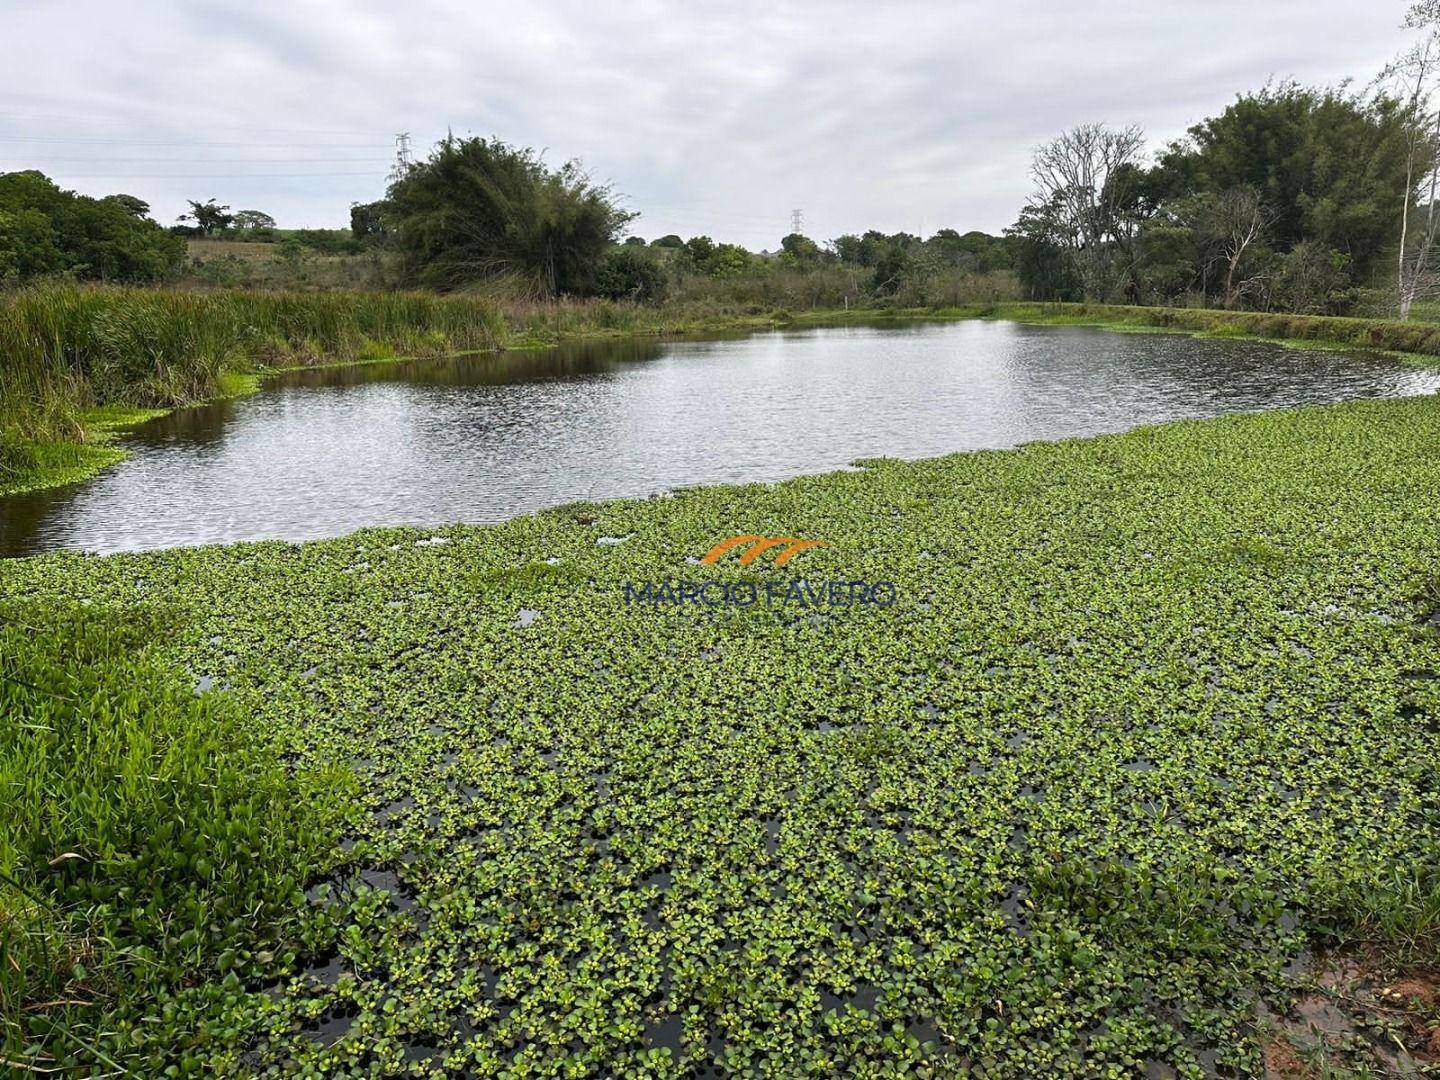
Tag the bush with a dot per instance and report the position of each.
(479, 209)
(627, 274)
(1315, 280)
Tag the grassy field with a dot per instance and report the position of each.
(1153, 717)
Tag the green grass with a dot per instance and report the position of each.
(153, 847)
(1153, 713)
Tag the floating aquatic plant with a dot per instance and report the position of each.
(1151, 714)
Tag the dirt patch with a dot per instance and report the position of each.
(1282, 1062)
(1358, 1009)
(1422, 989)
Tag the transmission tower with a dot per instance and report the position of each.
(402, 155)
(797, 219)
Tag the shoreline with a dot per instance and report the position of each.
(60, 463)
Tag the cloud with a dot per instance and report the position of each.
(709, 117)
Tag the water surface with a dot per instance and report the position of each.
(486, 437)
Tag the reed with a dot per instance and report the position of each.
(66, 350)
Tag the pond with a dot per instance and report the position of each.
(482, 438)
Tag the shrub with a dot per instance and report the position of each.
(45, 230)
(479, 208)
(627, 274)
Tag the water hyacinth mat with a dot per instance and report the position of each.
(1152, 717)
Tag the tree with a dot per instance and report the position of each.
(253, 219)
(367, 221)
(135, 207)
(1083, 177)
(1314, 280)
(975, 252)
(1329, 165)
(865, 250)
(634, 241)
(44, 230)
(208, 217)
(1043, 262)
(699, 250)
(27, 245)
(1417, 73)
(1233, 221)
(479, 208)
(669, 240)
(728, 261)
(890, 270)
(800, 249)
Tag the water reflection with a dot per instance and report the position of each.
(485, 437)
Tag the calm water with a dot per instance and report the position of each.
(483, 438)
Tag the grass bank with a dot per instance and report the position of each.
(1414, 338)
(153, 846)
(1152, 715)
(77, 363)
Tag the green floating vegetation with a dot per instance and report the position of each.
(1153, 714)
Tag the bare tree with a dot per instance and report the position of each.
(1079, 173)
(1236, 220)
(1416, 74)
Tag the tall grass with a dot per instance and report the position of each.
(838, 287)
(147, 841)
(64, 348)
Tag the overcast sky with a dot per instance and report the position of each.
(708, 117)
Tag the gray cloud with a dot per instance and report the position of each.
(709, 117)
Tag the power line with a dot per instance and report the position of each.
(797, 220)
(91, 118)
(188, 143)
(208, 176)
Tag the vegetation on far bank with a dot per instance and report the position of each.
(82, 362)
(1294, 199)
(1153, 715)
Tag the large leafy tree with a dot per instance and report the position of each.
(480, 208)
(253, 219)
(46, 230)
(1327, 165)
(1041, 242)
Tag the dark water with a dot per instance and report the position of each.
(483, 438)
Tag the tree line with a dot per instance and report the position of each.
(1293, 198)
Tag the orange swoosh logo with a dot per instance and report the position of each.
(793, 545)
